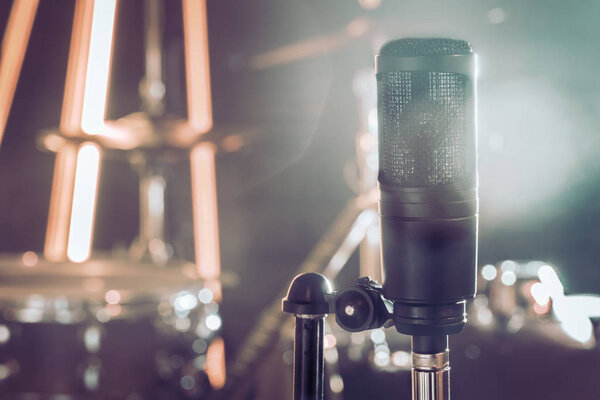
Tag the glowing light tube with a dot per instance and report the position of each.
(84, 203)
(204, 207)
(215, 364)
(14, 45)
(197, 65)
(61, 198)
(84, 106)
(70, 120)
(98, 66)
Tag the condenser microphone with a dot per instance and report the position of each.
(428, 205)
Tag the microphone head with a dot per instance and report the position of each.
(427, 181)
(426, 97)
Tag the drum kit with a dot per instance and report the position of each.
(146, 324)
(103, 329)
(142, 323)
(519, 338)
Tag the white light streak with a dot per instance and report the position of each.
(98, 67)
(156, 196)
(84, 203)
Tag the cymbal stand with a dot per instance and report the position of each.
(148, 139)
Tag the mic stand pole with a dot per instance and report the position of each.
(430, 371)
(307, 300)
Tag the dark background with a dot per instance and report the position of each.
(539, 111)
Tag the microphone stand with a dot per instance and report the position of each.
(357, 308)
(308, 300)
(430, 371)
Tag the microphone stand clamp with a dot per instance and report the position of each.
(310, 298)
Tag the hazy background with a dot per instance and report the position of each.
(539, 112)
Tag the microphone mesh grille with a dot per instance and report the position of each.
(425, 47)
(422, 115)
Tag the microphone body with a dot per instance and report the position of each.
(426, 90)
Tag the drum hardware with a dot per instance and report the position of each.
(133, 331)
(144, 323)
(517, 294)
(497, 337)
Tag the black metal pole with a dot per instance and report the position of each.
(308, 299)
(308, 357)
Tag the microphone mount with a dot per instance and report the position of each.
(357, 308)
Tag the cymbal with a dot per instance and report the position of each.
(90, 280)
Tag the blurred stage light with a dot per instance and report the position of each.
(336, 383)
(540, 294)
(573, 312)
(484, 316)
(496, 16)
(509, 266)
(508, 278)
(329, 341)
(489, 272)
(30, 259)
(369, 4)
(112, 297)
(401, 358)
(381, 358)
(378, 336)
